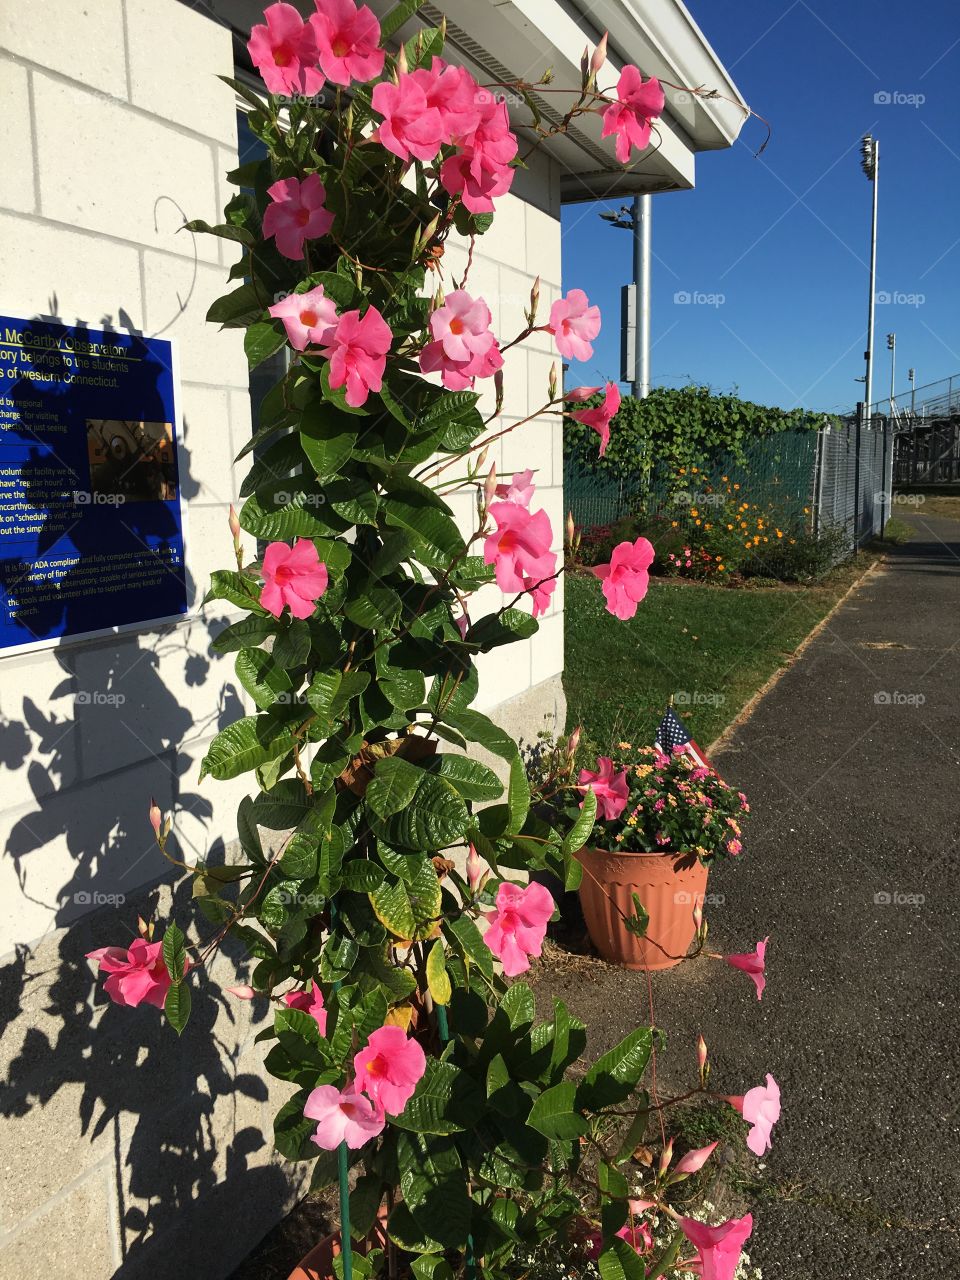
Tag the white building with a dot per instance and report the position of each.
(125, 1152)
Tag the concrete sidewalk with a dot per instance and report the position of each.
(852, 865)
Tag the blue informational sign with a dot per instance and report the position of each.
(91, 531)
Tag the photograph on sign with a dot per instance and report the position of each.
(91, 528)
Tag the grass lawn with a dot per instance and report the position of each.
(712, 647)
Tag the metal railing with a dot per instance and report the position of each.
(932, 400)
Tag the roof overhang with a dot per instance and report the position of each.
(509, 40)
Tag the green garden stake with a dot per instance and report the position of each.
(443, 1026)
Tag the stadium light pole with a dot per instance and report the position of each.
(870, 164)
(639, 220)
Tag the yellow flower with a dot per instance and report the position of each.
(729, 526)
(720, 568)
(765, 538)
(779, 533)
(625, 746)
(694, 511)
(694, 470)
(708, 526)
(724, 479)
(736, 486)
(793, 541)
(696, 522)
(806, 511)
(673, 524)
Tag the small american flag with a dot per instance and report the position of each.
(672, 732)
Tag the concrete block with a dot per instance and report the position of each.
(177, 299)
(81, 39)
(60, 274)
(18, 185)
(133, 178)
(73, 1238)
(206, 447)
(161, 35)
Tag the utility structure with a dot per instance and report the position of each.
(870, 164)
(892, 348)
(635, 304)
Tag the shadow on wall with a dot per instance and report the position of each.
(164, 1128)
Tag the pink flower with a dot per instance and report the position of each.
(693, 1161)
(540, 593)
(519, 490)
(285, 52)
(482, 169)
(307, 317)
(292, 576)
(734, 847)
(520, 547)
(625, 579)
(389, 1068)
(638, 1236)
(601, 417)
(720, 1247)
(580, 393)
(611, 791)
(629, 118)
(348, 40)
(410, 126)
(459, 375)
(309, 1002)
(453, 92)
(243, 992)
(518, 925)
(357, 350)
(343, 1115)
(138, 974)
(760, 1107)
(574, 324)
(752, 962)
(462, 326)
(296, 214)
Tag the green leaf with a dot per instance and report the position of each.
(174, 952)
(472, 780)
(394, 20)
(434, 818)
(328, 437)
(433, 1186)
(518, 793)
(614, 1076)
(446, 1100)
(619, 1261)
(438, 980)
(361, 876)
(261, 677)
(237, 588)
(246, 744)
(240, 635)
(176, 1005)
(261, 340)
(463, 934)
(553, 1113)
(394, 784)
(579, 833)
(292, 1130)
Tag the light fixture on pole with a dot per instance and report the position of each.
(912, 375)
(636, 296)
(870, 164)
(892, 348)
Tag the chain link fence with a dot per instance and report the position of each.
(837, 482)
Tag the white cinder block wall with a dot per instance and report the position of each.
(126, 1153)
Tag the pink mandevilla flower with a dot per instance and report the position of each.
(520, 547)
(520, 489)
(540, 593)
(601, 417)
(136, 974)
(389, 1068)
(460, 375)
(752, 962)
(307, 317)
(630, 116)
(610, 789)
(719, 1247)
(293, 576)
(574, 324)
(760, 1107)
(296, 214)
(309, 1002)
(626, 578)
(639, 1236)
(462, 326)
(518, 925)
(285, 52)
(357, 349)
(343, 1115)
(348, 39)
(411, 127)
(481, 169)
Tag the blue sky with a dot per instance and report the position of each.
(785, 238)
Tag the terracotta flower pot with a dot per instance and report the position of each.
(669, 885)
(318, 1263)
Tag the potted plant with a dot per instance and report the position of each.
(419, 1079)
(662, 818)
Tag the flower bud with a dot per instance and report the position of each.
(498, 389)
(490, 485)
(145, 930)
(402, 60)
(534, 301)
(234, 523)
(571, 528)
(481, 459)
(599, 55)
(474, 869)
(665, 1157)
(703, 1064)
(585, 63)
(553, 381)
(242, 992)
(698, 916)
(573, 742)
(156, 817)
